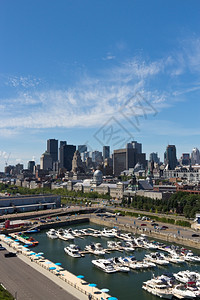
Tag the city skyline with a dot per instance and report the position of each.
(135, 67)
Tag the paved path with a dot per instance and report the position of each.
(25, 283)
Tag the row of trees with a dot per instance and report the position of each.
(180, 203)
(13, 190)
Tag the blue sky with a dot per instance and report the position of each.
(98, 72)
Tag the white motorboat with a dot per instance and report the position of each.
(112, 245)
(128, 237)
(104, 265)
(131, 262)
(158, 287)
(68, 235)
(174, 259)
(52, 234)
(129, 247)
(96, 233)
(181, 290)
(156, 258)
(190, 257)
(72, 250)
(76, 233)
(99, 249)
(193, 287)
(96, 249)
(109, 233)
(186, 276)
(118, 265)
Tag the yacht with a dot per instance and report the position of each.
(76, 233)
(96, 249)
(104, 265)
(129, 247)
(186, 276)
(112, 245)
(156, 258)
(73, 250)
(68, 234)
(192, 286)
(99, 249)
(128, 237)
(118, 265)
(158, 287)
(176, 259)
(52, 234)
(181, 290)
(110, 233)
(190, 257)
(96, 233)
(131, 262)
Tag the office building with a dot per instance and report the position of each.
(61, 153)
(66, 155)
(185, 159)
(195, 156)
(124, 159)
(106, 152)
(31, 165)
(82, 148)
(52, 149)
(46, 161)
(153, 157)
(96, 156)
(170, 157)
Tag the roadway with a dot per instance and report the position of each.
(26, 283)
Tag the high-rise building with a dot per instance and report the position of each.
(153, 157)
(31, 165)
(106, 152)
(66, 155)
(123, 159)
(195, 156)
(52, 148)
(46, 161)
(185, 159)
(170, 157)
(84, 156)
(82, 148)
(61, 153)
(96, 156)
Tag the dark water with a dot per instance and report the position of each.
(121, 285)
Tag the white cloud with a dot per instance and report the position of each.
(91, 102)
(23, 81)
(95, 99)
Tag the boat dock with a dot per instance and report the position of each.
(21, 239)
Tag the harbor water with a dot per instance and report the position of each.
(124, 286)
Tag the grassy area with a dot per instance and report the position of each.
(5, 295)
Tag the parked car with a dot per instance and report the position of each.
(10, 254)
(2, 248)
(139, 218)
(195, 235)
(164, 227)
(154, 224)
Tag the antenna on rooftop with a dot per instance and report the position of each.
(6, 162)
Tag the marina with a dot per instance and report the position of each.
(120, 284)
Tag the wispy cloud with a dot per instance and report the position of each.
(94, 99)
(88, 104)
(109, 56)
(22, 81)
